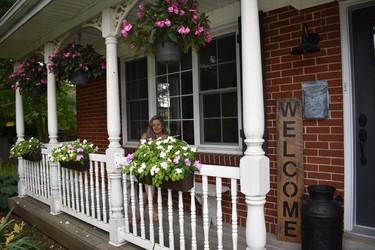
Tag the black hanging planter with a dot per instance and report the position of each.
(38, 90)
(80, 77)
(168, 52)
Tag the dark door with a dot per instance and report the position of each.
(363, 35)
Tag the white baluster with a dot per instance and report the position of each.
(126, 205)
(160, 216)
(82, 200)
(234, 213)
(150, 211)
(193, 211)
(71, 181)
(104, 195)
(87, 194)
(206, 226)
(76, 189)
(170, 219)
(181, 220)
(97, 191)
(92, 192)
(67, 188)
(219, 213)
(142, 210)
(133, 205)
(63, 180)
(43, 177)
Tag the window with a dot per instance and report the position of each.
(136, 98)
(200, 107)
(174, 95)
(218, 91)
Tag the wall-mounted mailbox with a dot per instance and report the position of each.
(315, 100)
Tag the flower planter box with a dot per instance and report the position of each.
(37, 156)
(77, 166)
(183, 185)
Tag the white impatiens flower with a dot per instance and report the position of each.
(179, 170)
(158, 142)
(177, 152)
(170, 147)
(184, 148)
(194, 150)
(164, 165)
(162, 154)
(159, 147)
(154, 170)
(84, 141)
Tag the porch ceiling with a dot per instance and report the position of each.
(31, 23)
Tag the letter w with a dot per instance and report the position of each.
(288, 107)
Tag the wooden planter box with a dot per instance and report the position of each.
(183, 185)
(77, 166)
(37, 156)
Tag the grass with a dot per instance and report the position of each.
(8, 170)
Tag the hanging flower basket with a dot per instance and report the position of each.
(168, 52)
(181, 185)
(80, 77)
(35, 156)
(76, 165)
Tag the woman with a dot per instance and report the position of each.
(155, 130)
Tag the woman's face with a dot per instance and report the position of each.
(157, 127)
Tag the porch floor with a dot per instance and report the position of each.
(75, 234)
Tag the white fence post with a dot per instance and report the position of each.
(55, 199)
(21, 178)
(116, 220)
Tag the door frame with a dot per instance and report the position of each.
(348, 106)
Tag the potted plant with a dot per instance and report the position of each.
(30, 77)
(73, 155)
(74, 60)
(167, 24)
(169, 163)
(27, 149)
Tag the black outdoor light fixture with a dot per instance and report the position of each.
(309, 42)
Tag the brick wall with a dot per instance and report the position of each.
(323, 139)
(92, 113)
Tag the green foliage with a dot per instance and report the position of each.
(5, 5)
(8, 188)
(12, 235)
(25, 147)
(162, 159)
(75, 151)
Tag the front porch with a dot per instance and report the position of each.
(73, 233)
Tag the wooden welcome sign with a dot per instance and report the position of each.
(289, 169)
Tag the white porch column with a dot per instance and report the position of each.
(254, 166)
(52, 130)
(51, 97)
(20, 129)
(116, 221)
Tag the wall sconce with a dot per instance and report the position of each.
(309, 42)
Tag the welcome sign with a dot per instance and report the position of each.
(289, 168)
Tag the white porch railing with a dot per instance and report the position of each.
(87, 196)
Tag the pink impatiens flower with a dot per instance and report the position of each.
(79, 157)
(183, 30)
(176, 159)
(79, 150)
(198, 164)
(187, 162)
